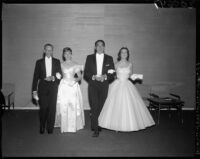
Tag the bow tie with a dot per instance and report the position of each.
(48, 57)
(100, 54)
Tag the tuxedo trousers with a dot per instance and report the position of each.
(47, 92)
(97, 95)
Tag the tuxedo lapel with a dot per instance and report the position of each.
(44, 67)
(52, 66)
(95, 64)
(104, 63)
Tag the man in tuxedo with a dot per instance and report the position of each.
(96, 74)
(46, 79)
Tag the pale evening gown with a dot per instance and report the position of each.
(69, 107)
(124, 109)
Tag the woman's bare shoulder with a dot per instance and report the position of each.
(116, 64)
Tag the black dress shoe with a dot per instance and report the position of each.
(50, 132)
(95, 134)
(42, 130)
(99, 129)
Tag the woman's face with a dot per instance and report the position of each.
(124, 54)
(68, 55)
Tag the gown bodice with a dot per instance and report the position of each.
(123, 73)
(68, 73)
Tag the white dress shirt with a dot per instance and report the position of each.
(99, 60)
(48, 65)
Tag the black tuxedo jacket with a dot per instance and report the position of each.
(40, 72)
(91, 67)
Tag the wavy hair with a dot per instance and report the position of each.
(119, 54)
(64, 50)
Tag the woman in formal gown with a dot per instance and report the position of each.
(124, 109)
(69, 108)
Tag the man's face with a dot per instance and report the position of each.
(100, 47)
(48, 51)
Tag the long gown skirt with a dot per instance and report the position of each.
(124, 109)
(69, 109)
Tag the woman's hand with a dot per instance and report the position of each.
(79, 76)
(77, 79)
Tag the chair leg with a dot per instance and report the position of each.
(158, 114)
(150, 106)
(169, 114)
(181, 116)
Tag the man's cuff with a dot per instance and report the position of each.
(105, 77)
(53, 78)
(34, 92)
(93, 77)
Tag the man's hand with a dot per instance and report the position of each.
(35, 95)
(95, 77)
(50, 78)
(103, 77)
(99, 77)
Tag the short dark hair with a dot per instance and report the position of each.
(119, 54)
(64, 50)
(48, 45)
(99, 41)
(96, 44)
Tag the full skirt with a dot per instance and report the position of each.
(124, 109)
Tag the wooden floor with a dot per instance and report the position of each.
(21, 138)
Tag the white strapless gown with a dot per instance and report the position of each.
(124, 109)
(69, 108)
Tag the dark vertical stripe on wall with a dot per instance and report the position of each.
(1, 81)
(198, 31)
(1, 50)
(197, 121)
